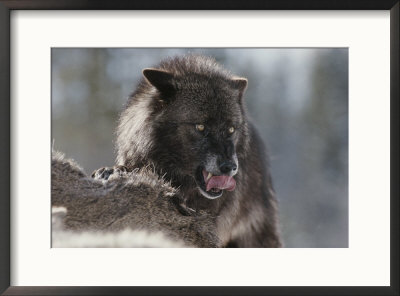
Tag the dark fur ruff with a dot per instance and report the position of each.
(158, 128)
(138, 200)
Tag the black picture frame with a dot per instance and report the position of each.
(7, 6)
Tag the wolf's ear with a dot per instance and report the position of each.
(240, 84)
(162, 80)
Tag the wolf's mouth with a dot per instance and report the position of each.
(212, 186)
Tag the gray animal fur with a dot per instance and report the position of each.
(134, 201)
(62, 238)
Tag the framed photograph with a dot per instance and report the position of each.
(173, 104)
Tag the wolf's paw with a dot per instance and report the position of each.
(106, 172)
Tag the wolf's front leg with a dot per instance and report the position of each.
(105, 173)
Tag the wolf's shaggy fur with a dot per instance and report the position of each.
(138, 200)
(157, 128)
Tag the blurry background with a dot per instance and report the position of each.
(298, 99)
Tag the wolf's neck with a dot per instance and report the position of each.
(134, 132)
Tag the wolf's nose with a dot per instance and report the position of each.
(227, 167)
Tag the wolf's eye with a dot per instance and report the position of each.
(231, 130)
(200, 127)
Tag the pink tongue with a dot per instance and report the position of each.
(220, 182)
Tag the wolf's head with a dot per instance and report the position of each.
(187, 118)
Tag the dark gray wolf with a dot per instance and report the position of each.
(188, 119)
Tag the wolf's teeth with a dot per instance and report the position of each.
(209, 176)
